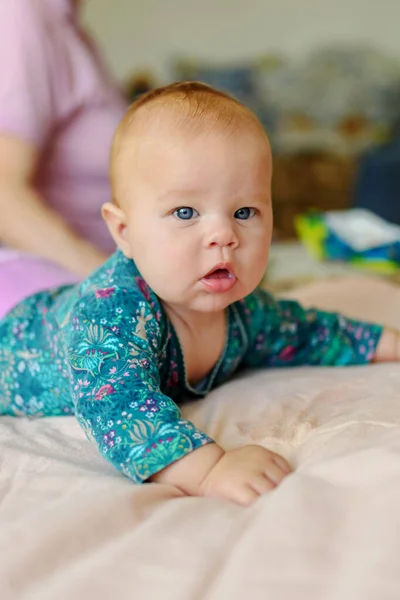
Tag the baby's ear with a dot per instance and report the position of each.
(116, 221)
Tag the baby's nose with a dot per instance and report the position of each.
(222, 234)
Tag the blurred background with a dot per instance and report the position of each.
(323, 76)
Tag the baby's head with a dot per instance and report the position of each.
(191, 182)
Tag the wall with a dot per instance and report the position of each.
(138, 34)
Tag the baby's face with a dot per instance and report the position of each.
(199, 216)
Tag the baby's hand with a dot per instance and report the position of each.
(245, 474)
(388, 349)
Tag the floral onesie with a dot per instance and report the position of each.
(105, 351)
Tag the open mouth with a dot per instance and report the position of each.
(220, 279)
(220, 271)
(219, 274)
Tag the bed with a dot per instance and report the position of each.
(72, 528)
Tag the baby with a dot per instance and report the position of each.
(176, 311)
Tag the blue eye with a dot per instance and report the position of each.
(185, 213)
(244, 213)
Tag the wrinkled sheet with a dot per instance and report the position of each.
(72, 528)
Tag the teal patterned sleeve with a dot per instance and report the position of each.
(114, 343)
(282, 333)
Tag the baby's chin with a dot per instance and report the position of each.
(213, 303)
(203, 300)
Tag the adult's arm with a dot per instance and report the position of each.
(28, 223)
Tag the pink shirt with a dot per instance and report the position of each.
(56, 94)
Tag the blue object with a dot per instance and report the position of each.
(377, 185)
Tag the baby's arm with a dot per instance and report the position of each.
(240, 475)
(283, 333)
(113, 355)
(114, 343)
(113, 352)
(388, 348)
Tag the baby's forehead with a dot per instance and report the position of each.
(180, 122)
(183, 144)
